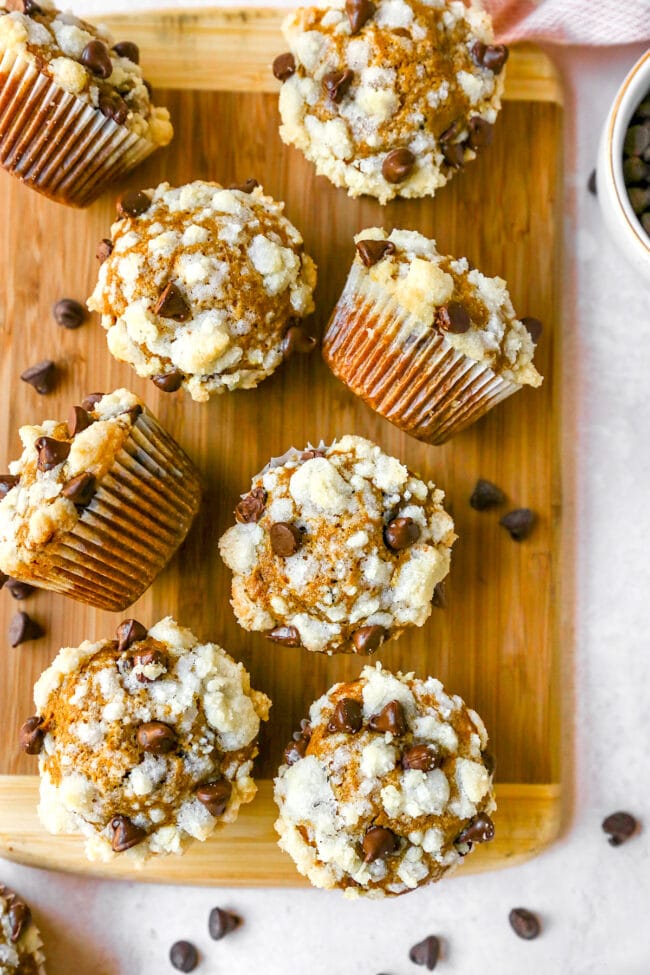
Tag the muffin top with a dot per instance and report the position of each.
(83, 60)
(145, 741)
(20, 942)
(203, 286)
(390, 98)
(472, 311)
(337, 548)
(386, 786)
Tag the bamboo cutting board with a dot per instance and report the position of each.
(505, 632)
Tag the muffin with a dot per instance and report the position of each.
(20, 940)
(75, 111)
(426, 340)
(390, 98)
(96, 507)
(337, 549)
(145, 741)
(386, 787)
(204, 287)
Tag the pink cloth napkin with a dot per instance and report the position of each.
(571, 21)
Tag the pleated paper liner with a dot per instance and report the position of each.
(140, 514)
(409, 374)
(57, 143)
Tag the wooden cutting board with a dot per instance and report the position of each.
(506, 631)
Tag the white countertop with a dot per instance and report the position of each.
(594, 900)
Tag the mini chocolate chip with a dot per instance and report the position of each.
(78, 420)
(480, 829)
(41, 376)
(69, 313)
(391, 718)
(214, 796)
(19, 916)
(222, 923)
(133, 203)
(104, 250)
(620, 826)
(288, 636)
(156, 737)
(337, 83)
(286, 539)
(637, 140)
(453, 318)
(368, 639)
(524, 923)
(127, 49)
(486, 495)
(378, 843)
(31, 735)
(23, 628)
(125, 834)
(246, 187)
(95, 56)
(172, 304)
(454, 154)
(490, 56)
(183, 956)
(397, 165)
(284, 66)
(518, 523)
(372, 251)
(128, 633)
(27, 7)
(90, 402)
(295, 750)
(451, 133)
(51, 452)
(147, 658)
(112, 106)
(81, 489)
(20, 590)
(359, 12)
(251, 507)
(401, 533)
(533, 326)
(7, 482)
(169, 382)
(424, 758)
(426, 952)
(439, 598)
(481, 132)
(296, 340)
(346, 717)
(591, 183)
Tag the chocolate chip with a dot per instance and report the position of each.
(480, 829)
(214, 796)
(169, 382)
(533, 326)
(337, 83)
(27, 7)
(78, 420)
(31, 735)
(81, 489)
(490, 56)
(183, 956)
(284, 66)
(42, 376)
(426, 952)
(246, 187)
(222, 923)
(19, 916)
(148, 658)
(401, 533)
(310, 454)
(524, 923)
(23, 628)
(391, 718)
(172, 304)
(90, 402)
(424, 758)
(453, 318)
(128, 633)
(69, 313)
(286, 539)
(481, 132)
(454, 154)
(519, 523)
(95, 56)
(439, 598)
(104, 250)
(368, 639)
(490, 762)
(591, 183)
(296, 340)
(359, 12)
(620, 826)
(20, 590)
(295, 750)
(127, 49)
(51, 452)
(288, 636)
(112, 106)
(251, 507)
(347, 717)
(372, 251)
(133, 203)
(637, 140)
(378, 843)
(125, 834)
(7, 482)
(156, 737)
(397, 165)
(486, 495)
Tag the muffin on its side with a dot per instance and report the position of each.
(96, 507)
(337, 549)
(204, 287)
(386, 787)
(75, 111)
(20, 940)
(145, 742)
(428, 342)
(390, 98)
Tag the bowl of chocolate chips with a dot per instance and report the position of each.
(623, 170)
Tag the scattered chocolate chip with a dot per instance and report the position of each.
(172, 304)
(524, 923)
(148, 658)
(378, 843)
(346, 717)
(20, 590)
(222, 923)
(183, 956)
(127, 49)
(19, 916)
(104, 250)
(251, 507)
(69, 313)
(296, 340)
(368, 639)
(96, 57)
(28, 7)
(295, 750)
(424, 758)
(337, 83)
(42, 376)
(620, 826)
(359, 12)
(286, 539)
(401, 533)
(637, 140)
(284, 66)
(169, 382)
(372, 251)
(156, 737)
(397, 165)
(480, 829)
(128, 633)
(90, 402)
(490, 56)
(519, 523)
(481, 132)
(591, 183)
(78, 420)
(451, 133)
(51, 452)
(23, 628)
(112, 106)
(214, 796)
(288, 636)
(31, 735)
(453, 318)
(246, 187)
(125, 834)
(7, 482)
(426, 952)
(533, 326)
(454, 154)
(391, 718)
(133, 203)
(81, 489)
(486, 495)
(439, 598)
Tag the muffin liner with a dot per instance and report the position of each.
(57, 143)
(409, 374)
(140, 514)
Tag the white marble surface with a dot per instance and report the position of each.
(594, 900)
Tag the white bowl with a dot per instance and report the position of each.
(619, 216)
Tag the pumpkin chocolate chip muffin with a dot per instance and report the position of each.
(20, 940)
(390, 98)
(145, 741)
(204, 287)
(386, 787)
(337, 549)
